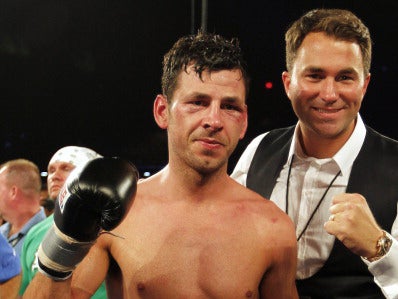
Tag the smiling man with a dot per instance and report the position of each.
(335, 177)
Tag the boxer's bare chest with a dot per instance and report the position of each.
(178, 255)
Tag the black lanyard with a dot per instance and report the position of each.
(15, 241)
(317, 206)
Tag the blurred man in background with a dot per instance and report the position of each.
(20, 185)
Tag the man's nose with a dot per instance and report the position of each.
(213, 119)
(329, 90)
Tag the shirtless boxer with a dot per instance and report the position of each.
(192, 231)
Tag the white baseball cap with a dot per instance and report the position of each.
(76, 155)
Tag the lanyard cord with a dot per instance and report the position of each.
(317, 206)
(16, 240)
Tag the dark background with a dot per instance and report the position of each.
(86, 72)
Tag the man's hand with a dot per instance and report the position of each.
(352, 222)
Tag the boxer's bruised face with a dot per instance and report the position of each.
(205, 118)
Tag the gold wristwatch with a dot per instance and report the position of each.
(383, 246)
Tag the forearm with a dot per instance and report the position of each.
(9, 289)
(43, 287)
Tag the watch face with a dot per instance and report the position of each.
(384, 244)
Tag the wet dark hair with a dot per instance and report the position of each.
(206, 52)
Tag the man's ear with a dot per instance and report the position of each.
(286, 82)
(160, 111)
(366, 83)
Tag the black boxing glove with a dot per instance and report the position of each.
(94, 197)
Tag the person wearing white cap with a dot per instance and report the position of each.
(60, 166)
(62, 163)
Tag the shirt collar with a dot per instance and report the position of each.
(5, 228)
(346, 155)
(39, 216)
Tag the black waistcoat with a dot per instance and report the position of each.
(374, 175)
